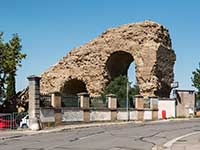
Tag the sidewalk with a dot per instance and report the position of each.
(188, 143)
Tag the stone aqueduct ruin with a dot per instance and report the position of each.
(89, 68)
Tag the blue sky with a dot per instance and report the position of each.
(49, 29)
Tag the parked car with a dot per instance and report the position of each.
(24, 123)
(6, 121)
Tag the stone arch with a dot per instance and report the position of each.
(148, 42)
(118, 63)
(73, 87)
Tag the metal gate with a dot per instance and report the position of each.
(11, 120)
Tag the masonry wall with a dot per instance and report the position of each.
(58, 115)
(47, 115)
(185, 103)
(100, 115)
(147, 42)
(72, 114)
(77, 115)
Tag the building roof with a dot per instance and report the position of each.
(184, 90)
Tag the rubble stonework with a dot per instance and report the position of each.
(93, 65)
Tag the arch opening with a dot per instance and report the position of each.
(131, 74)
(120, 67)
(73, 87)
(118, 64)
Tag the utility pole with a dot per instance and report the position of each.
(127, 102)
(174, 85)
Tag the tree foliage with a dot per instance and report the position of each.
(196, 80)
(10, 59)
(2, 74)
(119, 87)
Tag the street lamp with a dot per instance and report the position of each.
(127, 103)
(174, 85)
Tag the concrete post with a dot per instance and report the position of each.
(112, 101)
(139, 105)
(85, 105)
(34, 102)
(154, 102)
(56, 104)
(154, 107)
(112, 105)
(139, 102)
(56, 100)
(84, 100)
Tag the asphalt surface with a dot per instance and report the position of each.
(131, 136)
(191, 142)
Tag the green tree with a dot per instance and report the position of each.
(11, 57)
(134, 90)
(119, 87)
(1, 68)
(196, 80)
(10, 90)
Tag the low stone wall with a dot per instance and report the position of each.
(100, 115)
(47, 115)
(77, 114)
(122, 114)
(72, 114)
(85, 113)
(148, 114)
(133, 115)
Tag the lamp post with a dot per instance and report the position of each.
(127, 103)
(175, 85)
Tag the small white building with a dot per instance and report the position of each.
(168, 105)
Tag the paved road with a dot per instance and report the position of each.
(188, 143)
(114, 137)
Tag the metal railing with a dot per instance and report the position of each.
(122, 102)
(70, 101)
(98, 102)
(45, 100)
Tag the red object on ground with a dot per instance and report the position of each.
(163, 114)
(6, 122)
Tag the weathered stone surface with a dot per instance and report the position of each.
(90, 67)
